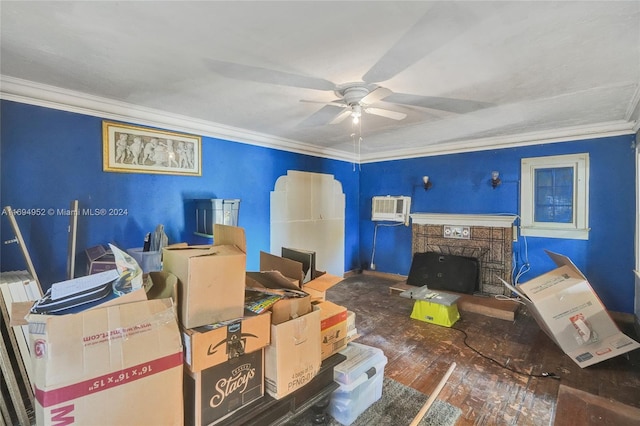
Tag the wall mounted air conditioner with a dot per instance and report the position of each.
(391, 208)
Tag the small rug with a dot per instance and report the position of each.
(397, 407)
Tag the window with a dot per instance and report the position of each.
(555, 196)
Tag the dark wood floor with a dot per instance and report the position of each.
(420, 353)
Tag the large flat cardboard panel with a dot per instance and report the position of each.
(279, 205)
(328, 199)
(292, 358)
(213, 394)
(89, 365)
(206, 272)
(295, 209)
(299, 187)
(204, 348)
(565, 306)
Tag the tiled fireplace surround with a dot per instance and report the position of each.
(490, 241)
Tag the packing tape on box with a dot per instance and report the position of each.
(300, 331)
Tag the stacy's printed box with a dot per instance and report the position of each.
(215, 393)
(224, 368)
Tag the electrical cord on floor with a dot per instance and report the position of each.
(506, 365)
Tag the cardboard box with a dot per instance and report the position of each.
(165, 285)
(288, 267)
(99, 259)
(568, 310)
(306, 257)
(215, 393)
(293, 357)
(333, 328)
(206, 274)
(295, 303)
(204, 348)
(318, 286)
(106, 365)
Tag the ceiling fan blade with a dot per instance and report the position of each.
(338, 102)
(323, 116)
(265, 75)
(394, 115)
(341, 117)
(376, 95)
(459, 106)
(440, 24)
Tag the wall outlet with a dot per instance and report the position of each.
(514, 228)
(373, 266)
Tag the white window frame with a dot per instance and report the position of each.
(579, 227)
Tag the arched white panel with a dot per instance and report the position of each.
(307, 212)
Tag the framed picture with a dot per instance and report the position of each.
(134, 149)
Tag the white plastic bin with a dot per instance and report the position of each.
(149, 261)
(360, 378)
(215, 210)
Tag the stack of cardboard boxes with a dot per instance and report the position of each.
(223, 350)
(187, 350)
(233, 356)
(117, 363)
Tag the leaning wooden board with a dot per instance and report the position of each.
(488, 306)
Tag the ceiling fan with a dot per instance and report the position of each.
(429, 33)
(357, 98)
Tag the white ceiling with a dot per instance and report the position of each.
(521, 72)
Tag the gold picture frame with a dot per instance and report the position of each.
(136, 149)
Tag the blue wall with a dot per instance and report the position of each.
(51, 157)
(461, 184)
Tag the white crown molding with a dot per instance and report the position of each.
(28, 92)
(570, 134)
(488, 220)
(633, 110)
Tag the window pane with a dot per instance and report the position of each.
(554, 195)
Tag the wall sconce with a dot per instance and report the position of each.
(495, 179)
(426, 182)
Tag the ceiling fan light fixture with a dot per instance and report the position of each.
(356, 113)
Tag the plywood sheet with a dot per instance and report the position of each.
(577, 407)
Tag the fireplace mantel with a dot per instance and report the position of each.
(489, 220)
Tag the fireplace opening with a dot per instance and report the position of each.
(449, 272)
